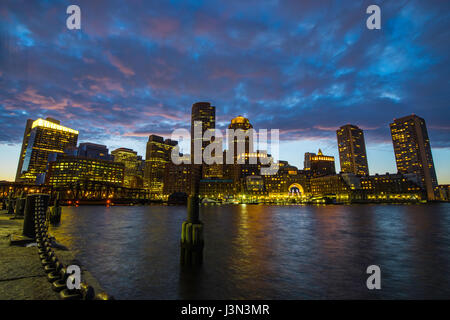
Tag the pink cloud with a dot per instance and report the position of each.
(323, 128)
(146, 134)
(49, 103)
(163, 115)
(31, 96)
(162, 27)
(439, 127)
(119, 65)
(100, 85)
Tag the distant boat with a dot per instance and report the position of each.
(207, 200)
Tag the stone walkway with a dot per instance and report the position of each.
(22, 276)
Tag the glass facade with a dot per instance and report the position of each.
(413, 151)
(43, 138)
(67, 170)
(352, 150)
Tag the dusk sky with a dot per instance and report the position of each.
(305, 67)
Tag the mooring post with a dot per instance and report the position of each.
(20, 205)
(192, 234)
(35, 203)
(10, 204)
(54, 212)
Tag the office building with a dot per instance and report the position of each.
(41, 138)
(158, 155)
(203, 118)
(69, 170)
(413, 151)
(177, 178)
(352, 150)
(319, 164)
(132, 163)
(390, 187)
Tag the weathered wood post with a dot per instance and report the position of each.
(10, 204)
(192, 229)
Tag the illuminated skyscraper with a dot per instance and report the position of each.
(206, 114)
(24, 147)
(245, 139)
(41, 138)
(246, 161)
(132, 162)
(413, 151)
(158, 155)
(352, 150)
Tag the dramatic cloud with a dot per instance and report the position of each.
(305, 67)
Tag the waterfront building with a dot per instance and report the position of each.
(342, 187)
(286, 182)
(217, 188)
(352, 150)
(206, 114)
(254, 186)
(307, 160)
(246, 139)
(212, 171)
(413, 151)
(319, 164)
(245, 161)
(69, 170)
(132, 163)
(348, 187)
(93, 151)
(23, 149)
(177, 178)
(158, 155)
(203, 118)
(215, 170)
(444, 192)
(41, 138)
(391, 187)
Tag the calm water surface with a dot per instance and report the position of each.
(265, 252)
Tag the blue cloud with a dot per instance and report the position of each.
(300, 66)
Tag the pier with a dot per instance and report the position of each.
(32, 261)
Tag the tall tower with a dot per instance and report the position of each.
(352, 150)
(413, 151)
(158, 155)
(132, 163)
(204, 112)
(241, 123)
(42, 138)
(245, 159)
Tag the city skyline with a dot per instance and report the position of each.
(205, 111)
(284, 67)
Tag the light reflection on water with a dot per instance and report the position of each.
(265, 252)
